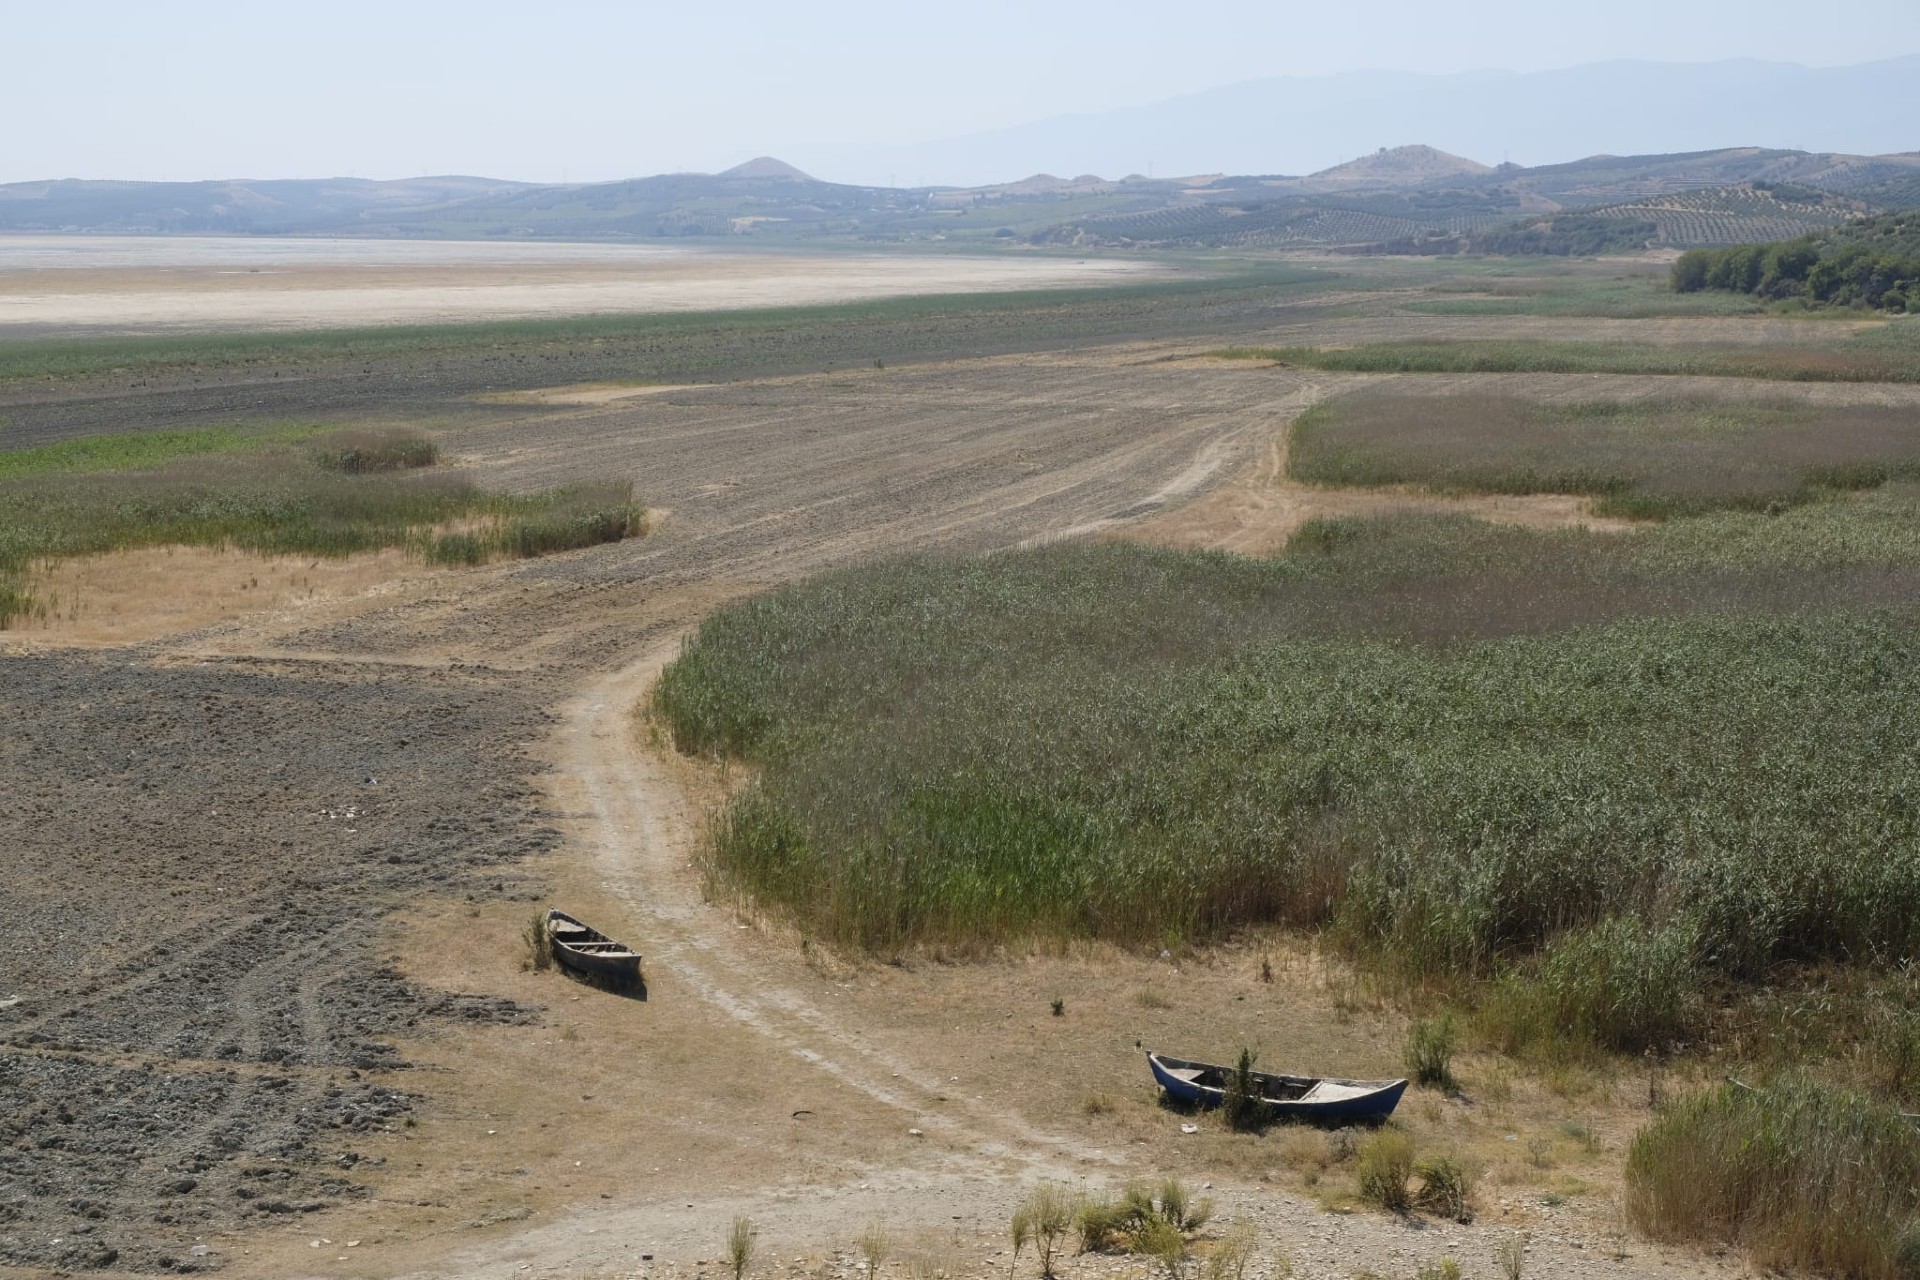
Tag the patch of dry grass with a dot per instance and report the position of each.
(368, 493)
(1642, 459)
(1803, 1176)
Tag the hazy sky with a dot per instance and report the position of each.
(568, 89)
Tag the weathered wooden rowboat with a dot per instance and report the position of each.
(584, 949)
(1202, 1084)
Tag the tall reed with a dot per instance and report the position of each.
(1141, 745)
(1803, 1176)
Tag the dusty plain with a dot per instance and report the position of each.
(135, 285)
(269, 857)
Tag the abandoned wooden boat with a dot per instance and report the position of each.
(1202, 1084)
(584, 949)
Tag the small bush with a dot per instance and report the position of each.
(1243, 1105)
(1803, 1176)
(1445, 1269)
(1179, 1209)
(876, 1247)
(1138, 1222)
(1444, 1188)
(1164, 1242)
(1230, 1257)
(1386, 1167)
(1044, 1217)
(1511, 1254)
(1429, 1053)
(740, 1246)
(539, 943)
(359, 452)
(1103, 1225)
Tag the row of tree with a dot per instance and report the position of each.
(1872, 264)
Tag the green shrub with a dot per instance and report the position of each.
(1165, 1243)
(1103, 1225)
(1243, 1104)
(1429, 1052)
(359, 452)
(1803, 1176)
(539, 943)
(1445, 1187)
(1511, 1254)
(1385, 1169)
(1140, 1220)
(740, 1246)
(1043, 1217)
(1230, 1256)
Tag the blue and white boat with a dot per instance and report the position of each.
(1202, 1084)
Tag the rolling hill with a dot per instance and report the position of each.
(1413, 198)
(1393, 167)
(243, 207)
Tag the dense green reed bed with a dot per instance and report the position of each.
(1149, 746)
(333, 495)
(1888, 355)
(1648, 458)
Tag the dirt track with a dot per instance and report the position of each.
(269, 856)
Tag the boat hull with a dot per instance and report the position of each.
(623, 970)
(591, 954)
(1287, 1097)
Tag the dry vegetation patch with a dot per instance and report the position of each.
(122, 597)
(330, 497)
(1884, 354)
(1800, 1175)
(1641, 458)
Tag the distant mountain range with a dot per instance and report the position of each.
(1410, 198)
(1299, 124)
(281, 206)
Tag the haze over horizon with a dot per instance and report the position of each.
(867, 92)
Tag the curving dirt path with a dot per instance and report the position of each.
(641, 842)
